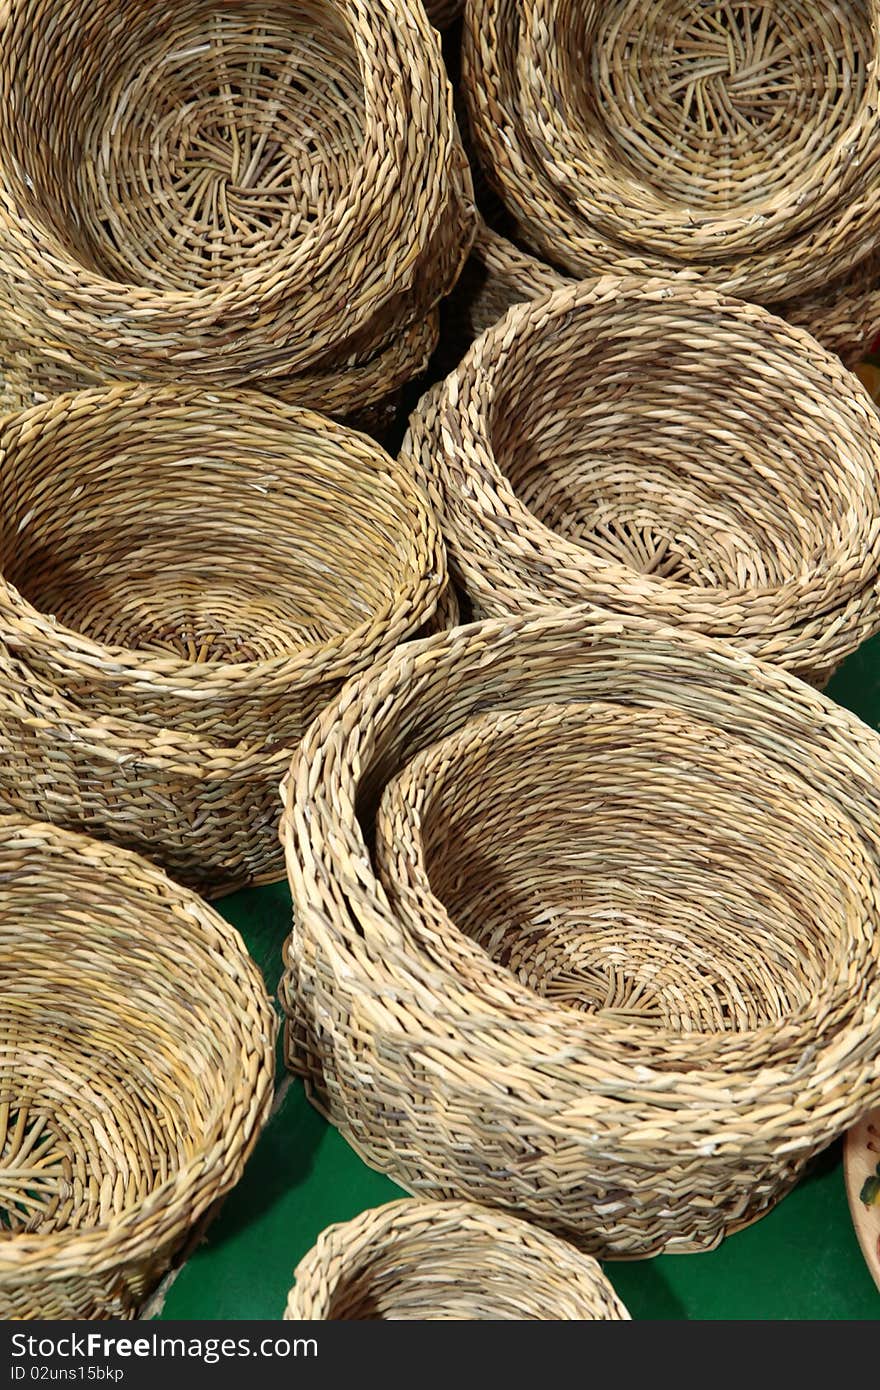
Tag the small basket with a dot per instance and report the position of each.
(136, 1077)
(213, 563)
(741, 141)
(657, 449)
(447, 1262)
(613, 968)
(253, 194)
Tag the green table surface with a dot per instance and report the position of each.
(800, 1262)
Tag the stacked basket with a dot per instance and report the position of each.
(736, 142)
(198, 199)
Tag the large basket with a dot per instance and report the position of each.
(741, 140)
(264, 192)
(652, 1082)
(136, 1075)
(211, 562)
(447, 1262)
(657, 449)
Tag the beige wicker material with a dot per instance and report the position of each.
(211, 562)
(266, 192)
(630, 137)
(657, 449)
(447, 1262)
(617, 1113)
(137, 1072)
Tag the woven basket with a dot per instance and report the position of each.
(217, 563)
(201, 202)
(136, 1076)
(666, 1087)
(656, 449)
(447, 1262)
(648, 138)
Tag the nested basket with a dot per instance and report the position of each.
(210, 562)
(658, 449)
(264, 192)
(447, 1262)
(737, 140)
(585, 925)
(136, 1074)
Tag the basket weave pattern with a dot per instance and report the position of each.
(201, 201)
(137, 1072)
(657, 449)
(450, 1262)
(485, 1023)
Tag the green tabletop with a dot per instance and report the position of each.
(801, 1261)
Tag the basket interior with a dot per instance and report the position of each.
(178, 148)
(633, 863)
(203, 530)
(112, 1075)
(716, 105)
(681, 443)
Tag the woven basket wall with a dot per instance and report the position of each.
(137, 1072)
(447, 1262)
(739, 141)
(202, 202)
(577, 1000)
(657, 449)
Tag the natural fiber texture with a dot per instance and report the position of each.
(657, 449)
(137, 1072)
(739, 139)
(217, 563)
(447, 1262)
(612, 967)
(271, 192)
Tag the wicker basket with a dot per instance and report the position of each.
(201, 202)
(447, 1262)
(657, 449)
(217, 563)
(647, 138)
(137, 1072)
(636, 1100)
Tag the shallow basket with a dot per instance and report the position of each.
(447, 1262)
(216, 563)
(641, 1057)
(740, 140)
(661, 450)
(136, 1076)
(201, 202)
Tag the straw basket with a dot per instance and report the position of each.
(136, 1075)
(612, 964)
(267, 192)
(210, 562)
(657, 449)
(740, 140)
(447, 1262)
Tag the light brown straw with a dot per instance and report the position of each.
(136, 1072)
(658, 449)
(447, 1262)
(611, 967)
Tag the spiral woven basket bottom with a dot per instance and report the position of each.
(136, 1072)
(623, 1134)
(447, 1261)
(633, 865)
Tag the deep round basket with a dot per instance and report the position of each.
(211, 562)
(447, 1262)
(252, 192)
(136, 1074)
(612, 968)
(661, 450)
(737, 138)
